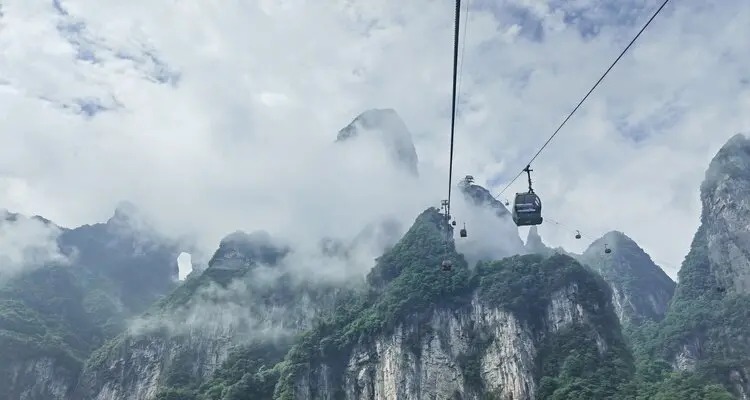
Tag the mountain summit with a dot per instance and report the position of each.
(641, 290)
(388, 127)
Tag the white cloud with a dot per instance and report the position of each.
(27, 243)
(223, 113)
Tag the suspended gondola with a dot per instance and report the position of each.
(527, 206)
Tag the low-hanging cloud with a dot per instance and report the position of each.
(244, 307)
(489, 236)
(27, 243)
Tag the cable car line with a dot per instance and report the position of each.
(526, 169)
(659, 263)
(456, 38)
(580, 235)
(463, 48)
(447, 264)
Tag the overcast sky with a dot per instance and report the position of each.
(217, 116)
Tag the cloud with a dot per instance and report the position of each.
(222, 118)
(27, 243)
(243, 307)
(488, 237)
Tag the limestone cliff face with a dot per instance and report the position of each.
(713, 294)
(504, 330)
(40, 378)
(725, 196)
(393, 366)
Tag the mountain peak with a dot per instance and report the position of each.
(7, 216)
(128, 216)
(725, 214)
(425, 242)
(480, 196)
(241, 250)
(640, 288)
(534, 243)
(387, 126)
(616, 239)
(621, 244)
(730, 166)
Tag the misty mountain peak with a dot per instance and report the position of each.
(534, 243)
(388, 127)
(128, 218)
(7, 216)
(480, 196)
(244, 249)
(729, 167)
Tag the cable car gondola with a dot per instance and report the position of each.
(578, 234)
(463, 232)
(607, 250)
(447, 265)
(527, 206)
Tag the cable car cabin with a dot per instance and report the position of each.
(462, 233)
(447, 265)
(527, 209)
